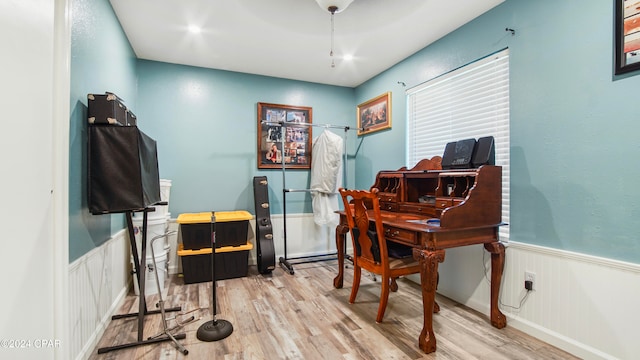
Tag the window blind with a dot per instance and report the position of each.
(469, 102)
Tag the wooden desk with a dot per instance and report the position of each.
(429, 251)
(469, 214)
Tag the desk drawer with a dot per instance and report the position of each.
(402, 235)
(425, 209)
(389, 206)
(443, 203)
(387, 197)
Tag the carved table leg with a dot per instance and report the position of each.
(428, 260)
(497, 264)
(341, 240)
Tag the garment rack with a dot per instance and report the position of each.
(284, 261)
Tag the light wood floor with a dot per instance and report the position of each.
(302, 316)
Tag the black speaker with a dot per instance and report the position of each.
(457, 155)
(485, 153)
(449, 153)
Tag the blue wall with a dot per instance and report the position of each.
(573, 134)
(205, 122)
(101, 60)
(573, 138)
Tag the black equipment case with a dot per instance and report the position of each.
(109, 109)
(123, 169)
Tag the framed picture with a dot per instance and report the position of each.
(627, 47)
(375, 114)
(284, 132)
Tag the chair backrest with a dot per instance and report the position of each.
(368, 238)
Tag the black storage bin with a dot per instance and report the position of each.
(196, 236)
(230, 262)
(233, 233)
(231, 227)
(106, 108)
(123, 169)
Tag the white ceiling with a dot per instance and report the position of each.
(291, 38)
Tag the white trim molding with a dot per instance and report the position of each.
(60, 160)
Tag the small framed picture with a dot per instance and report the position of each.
(375, 114)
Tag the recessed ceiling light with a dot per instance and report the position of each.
(194, 29)
(348, 57)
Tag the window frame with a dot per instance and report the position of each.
(471, 101)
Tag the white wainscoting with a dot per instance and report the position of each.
(98, 282)
(585, 305)
(304, 237)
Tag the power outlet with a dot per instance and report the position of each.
(530, 276)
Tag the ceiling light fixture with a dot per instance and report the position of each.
(194, 29)
(333, 7)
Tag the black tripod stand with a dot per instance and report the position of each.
(215, 329)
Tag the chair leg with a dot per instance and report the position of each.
(384, 297)
(357, 271)
(394, 285)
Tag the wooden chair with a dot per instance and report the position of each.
(370, 246)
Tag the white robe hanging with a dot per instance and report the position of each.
(326, 177)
